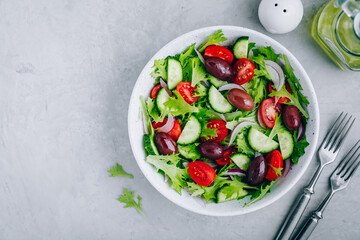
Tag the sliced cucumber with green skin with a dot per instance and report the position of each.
(286, 142)
(260, 142)
(221, 194)
(241, 47)
(191, 131)
(216, 82)
(218, 102)
(241, 160)
(174, 73)
(188, 152)
(161, 97)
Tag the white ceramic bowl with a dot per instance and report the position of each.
(145, 83)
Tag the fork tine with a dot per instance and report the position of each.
(340, 169)
(353, 171)
(336, 131)
(332, 129)
(350, 166)
(338, 141)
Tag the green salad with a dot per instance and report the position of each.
(224, 122)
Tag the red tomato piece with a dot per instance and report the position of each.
(174, 133)
(244, 71)
(226, 158)
(202, 173)
(155, 90)
(187, 91)
(275, 162)
(282, 99)
(219, 52)
(268, 112)
(221, 130)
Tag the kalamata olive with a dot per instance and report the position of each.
(291, 117)
(256, 171)
(211, 150)
(165, 144)
(219, 68)
(240, 99)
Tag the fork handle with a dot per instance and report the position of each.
(294, 215)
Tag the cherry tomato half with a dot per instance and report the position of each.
(219, 52)
(202, 173)
(244, 71)
(275, 162)
(221, 130)
(186, 91)
(268, 112)
(155, 90)
(282, 99)
(174, 133)
(226, 158)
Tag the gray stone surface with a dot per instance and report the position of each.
(67, 69)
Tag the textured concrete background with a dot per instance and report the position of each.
(67, 69)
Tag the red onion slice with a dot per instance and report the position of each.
(164, 85)
(259, 118)
(234, 172)
(276, 74)
(301, 131)
(206, 84)
(286, 168)
(231, 86)
(200, 56)
(237, 129)
(231, 178)
(168, 125)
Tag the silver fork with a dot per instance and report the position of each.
(326, 154)
(339, 179)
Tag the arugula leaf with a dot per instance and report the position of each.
(293, 99)
(259, 194)
(128, 199)
(160, 69)
(277, 127)
(299, 148)
(261, 71)
(117, 171)
(294, 82)
(186, 54)
(178, 106)
(198, 71)
(268, 53)
(175, 174)
(210, 191)
(214, 39)
(236, 187)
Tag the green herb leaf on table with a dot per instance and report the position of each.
(128, 199)
(117, 171)
(214, 39)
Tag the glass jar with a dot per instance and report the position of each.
(336, 28)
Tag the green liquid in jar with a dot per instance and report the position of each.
(333, 31)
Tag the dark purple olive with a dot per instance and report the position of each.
(219, 68)
(165, 144)
(291, 117)
(256, 171)
(211, 150)
(240, 99)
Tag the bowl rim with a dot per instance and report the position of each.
(310, 150)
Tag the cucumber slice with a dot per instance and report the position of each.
(221, 194)
(286, 142)
(241, 160)
(218, 102)
(260, 142)
(189, 151)
(216, 82)
(191, 131)
(174, 72)
(161, 97)
(241, 47)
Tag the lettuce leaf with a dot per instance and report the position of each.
(184, 56)
(167, 164)
(198, 71)
(178, 106)
(160, 69)
(260, 193)
(214, 39)
(299, 148)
